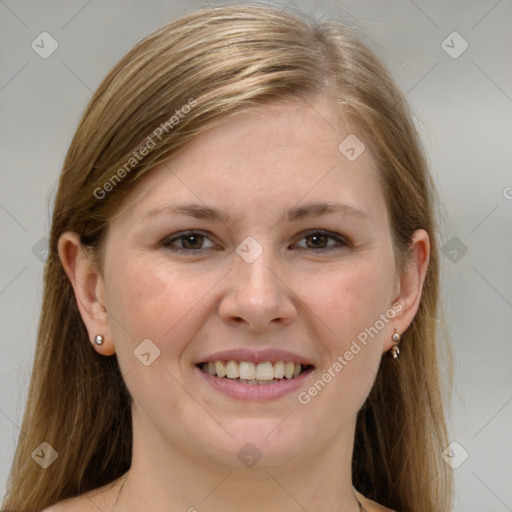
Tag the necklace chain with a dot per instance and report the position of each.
(119, 492)
(361, 507)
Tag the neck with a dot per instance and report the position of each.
(162, 478)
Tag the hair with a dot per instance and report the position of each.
(220, 62)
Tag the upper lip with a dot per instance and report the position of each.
(256, 356)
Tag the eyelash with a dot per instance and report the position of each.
(169, 240)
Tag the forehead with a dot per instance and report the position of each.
(276, 155)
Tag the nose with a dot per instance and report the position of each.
(258, 296)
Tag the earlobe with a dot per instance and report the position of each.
(411, 283)
(88, 286)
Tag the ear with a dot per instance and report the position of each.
(89, 289)
(410, 285)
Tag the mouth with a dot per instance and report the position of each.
(248, 372)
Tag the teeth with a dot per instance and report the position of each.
(288, 370)
(265, 371)
(250, 373)
(220, 369)
(232, 370)
(279, 370)
(246, 370)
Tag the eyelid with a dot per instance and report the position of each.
(342, 242)
(166, 242)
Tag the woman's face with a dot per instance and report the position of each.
(270, 276)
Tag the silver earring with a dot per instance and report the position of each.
(99, 339)
(395, 349)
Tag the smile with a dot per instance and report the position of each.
(247, 372)
(246, 380)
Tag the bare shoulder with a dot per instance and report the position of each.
(372, 506)
(102, 498)
(71, 504)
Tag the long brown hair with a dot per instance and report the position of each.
(219, 62)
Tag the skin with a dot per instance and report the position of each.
(255, 166)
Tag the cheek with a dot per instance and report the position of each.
(353, 303)
(350, 304)
(153, 299)
(138, 295)
(351, 298)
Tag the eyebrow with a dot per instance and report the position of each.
(201, 211)
(322, 208)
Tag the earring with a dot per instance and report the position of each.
(395, 349)
(99, 339)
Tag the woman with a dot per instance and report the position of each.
(241, 289)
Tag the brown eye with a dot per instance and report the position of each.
(192, 241)
(189, 241)
(318, 241)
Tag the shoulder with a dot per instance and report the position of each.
(102, 498)
(371, 506)
(71, 505)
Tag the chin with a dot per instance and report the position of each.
(260, 443)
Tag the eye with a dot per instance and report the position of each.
(191, 241)
(318, 240)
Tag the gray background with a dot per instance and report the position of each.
(464, 108)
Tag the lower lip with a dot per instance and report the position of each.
(243, 391)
